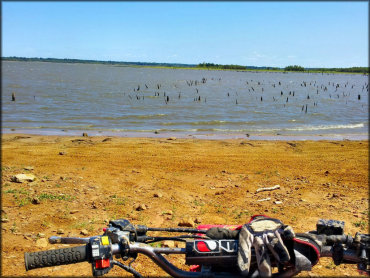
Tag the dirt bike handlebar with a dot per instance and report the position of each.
(82, 253)
(124, 241)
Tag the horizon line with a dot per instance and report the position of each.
(174, 63)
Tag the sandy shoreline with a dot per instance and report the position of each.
(195, 135)
(81, 182)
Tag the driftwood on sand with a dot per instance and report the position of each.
(268, 188)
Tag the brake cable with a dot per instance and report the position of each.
(128, 269)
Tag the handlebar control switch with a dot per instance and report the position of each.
(101, 255)
(330, 227)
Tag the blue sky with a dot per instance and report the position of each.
(310, 34)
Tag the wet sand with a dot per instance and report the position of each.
(81, 182)
(198, 135)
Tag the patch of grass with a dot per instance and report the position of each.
(58, 185)
(198, 203)
(119, 200)
(14, 228)
(11, 191)
(52, 197)
(113, 216)
(218, 207)
(23, 191)
(45, 224)
(330, 265)
(239, 214)
(15, 191)
(174, 212)
(22, 202)
(83, 225)
(155, 244)
(360, 224)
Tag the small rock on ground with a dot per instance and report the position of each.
(141, 207)
(84, 232)
(168, 244)
(42, 242)
(23, 177)
(186, 223)
(60, 231)
(35, 201)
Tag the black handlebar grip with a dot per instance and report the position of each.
(56, 257)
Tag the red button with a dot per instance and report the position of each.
(104, 263)
(202, 246)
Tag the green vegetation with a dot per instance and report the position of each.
(14, 228)
(208, 66)
(46, 196)
(363, 70)
(216, 66)
(361, 224)
(18, 195)
(11, 191)
(294, 68)
(118, 200)
(84, 225)
(56, 60)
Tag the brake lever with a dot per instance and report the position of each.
(68, 240)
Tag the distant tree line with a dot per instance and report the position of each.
(352, 69)
(217, 66)
(363, 70)
(57, 60)
(294, 68)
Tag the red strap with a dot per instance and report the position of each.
(256, 215)
(310, 245)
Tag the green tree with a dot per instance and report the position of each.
(294, 68)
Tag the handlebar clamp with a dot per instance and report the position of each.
(338, 253)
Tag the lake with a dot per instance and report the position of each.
(60, 98)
